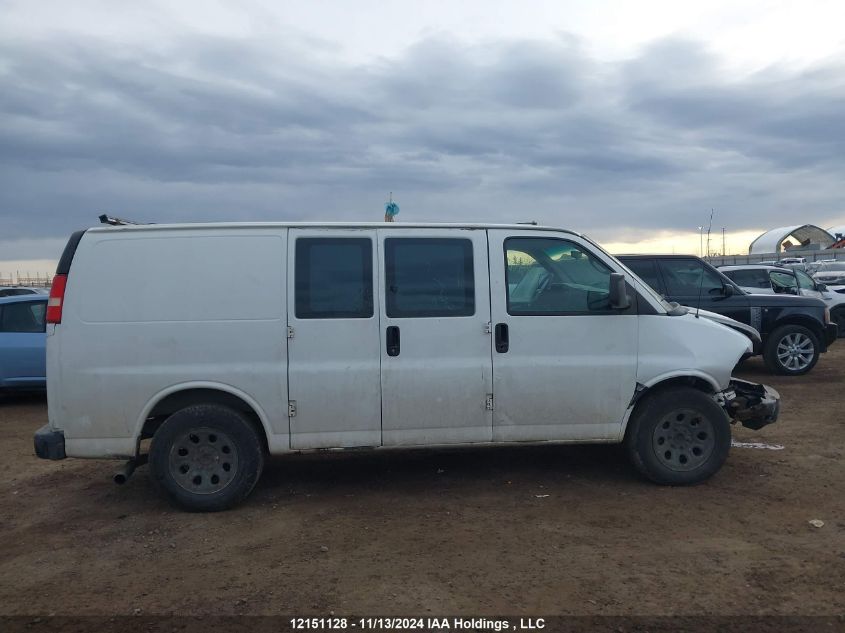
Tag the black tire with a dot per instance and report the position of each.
(206, 458)
(781, 341)
(678, 436)
(838, 317)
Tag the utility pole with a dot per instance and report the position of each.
(701, 241)
(724, 252)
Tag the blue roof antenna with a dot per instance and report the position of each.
(391, 209)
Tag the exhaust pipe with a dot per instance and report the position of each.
(125, 472)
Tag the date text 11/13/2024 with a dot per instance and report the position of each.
(416, 624)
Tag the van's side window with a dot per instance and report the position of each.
(550, 276)
(429, 277)
(334, 278)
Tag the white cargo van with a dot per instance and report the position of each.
(223, 343)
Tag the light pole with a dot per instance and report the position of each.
(701, 241)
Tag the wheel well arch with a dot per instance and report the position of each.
(679, 378)
(696, 382)
(700, 383)
(804, 321)
(176, 398)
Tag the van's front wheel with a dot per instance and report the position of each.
(678, 436)
(206, 458)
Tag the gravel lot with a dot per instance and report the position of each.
(513, 530)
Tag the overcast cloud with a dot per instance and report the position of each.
(282, 127)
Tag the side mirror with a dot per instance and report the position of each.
(619, 299)
(728, 290)
(821, 287)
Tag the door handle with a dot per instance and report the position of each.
(502, 338)
(392, 339)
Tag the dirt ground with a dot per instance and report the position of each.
(513, 530)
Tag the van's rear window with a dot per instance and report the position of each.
(334, 278)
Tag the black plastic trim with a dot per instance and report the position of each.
(831, 333)
(644, 307)
(49, 444)
(70, 250)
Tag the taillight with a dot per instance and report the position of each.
(57, 298)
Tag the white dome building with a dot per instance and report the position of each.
(802, 237)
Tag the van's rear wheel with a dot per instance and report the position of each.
(206, 457)
(678, 436)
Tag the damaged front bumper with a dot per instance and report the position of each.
(751, 404)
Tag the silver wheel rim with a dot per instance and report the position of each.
(795, 351)
(203, 460)
(683, 440)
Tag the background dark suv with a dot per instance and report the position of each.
(795, 330)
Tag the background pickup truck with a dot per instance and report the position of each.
(794, 330)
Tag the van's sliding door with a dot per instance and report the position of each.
(435, 348)
(333, 360)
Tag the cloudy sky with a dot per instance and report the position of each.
(626, 120)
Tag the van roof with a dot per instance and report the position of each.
(328, 225)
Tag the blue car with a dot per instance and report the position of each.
(23, 356)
